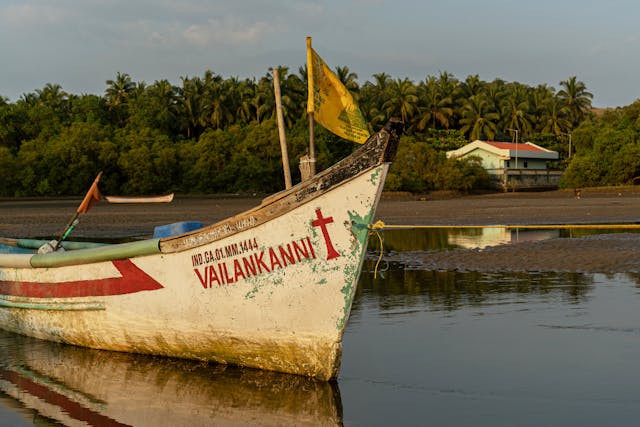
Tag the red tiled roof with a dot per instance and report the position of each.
(512, 146)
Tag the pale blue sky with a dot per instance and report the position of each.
(80, 44)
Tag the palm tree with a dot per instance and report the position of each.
(372, 98)
(190, 104)
(118, 90)
(55, 99)
(162, 99)
(117, 97)
(471, 86)
(448, 85)
(554, 117)
(402, 101)
(515, 110)
(292, 95)
(214, 102)
(295, 98)
(244, 93)
(495, 93)
(348, 79)
(538, 99)
(52, 95)
(576, 98)
(477, 121)
(303, 76)
(434, 107)
(263, 101)
(382, 83)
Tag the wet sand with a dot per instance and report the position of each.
(594, 206)
(606, 253)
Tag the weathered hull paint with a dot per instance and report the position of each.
(270, 288)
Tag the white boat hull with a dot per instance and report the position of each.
(270, 288)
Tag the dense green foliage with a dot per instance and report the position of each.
(607, 150)
(216, 135)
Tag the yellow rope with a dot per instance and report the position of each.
(378, 225)
(530, 226)
(376, 229)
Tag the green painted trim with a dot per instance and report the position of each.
(360, 229)
(99, 254)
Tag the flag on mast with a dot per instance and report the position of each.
(331, 103)
(92, 197)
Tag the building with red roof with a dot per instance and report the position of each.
(513, 165)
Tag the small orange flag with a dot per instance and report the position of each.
(93, 196)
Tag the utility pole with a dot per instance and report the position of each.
(516, 132)
(569, 135)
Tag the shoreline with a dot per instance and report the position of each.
(47, 217)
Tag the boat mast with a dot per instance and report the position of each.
(312, 150)
(281, 133)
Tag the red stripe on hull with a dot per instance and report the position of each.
(133, 280)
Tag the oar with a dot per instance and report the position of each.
(92, 197)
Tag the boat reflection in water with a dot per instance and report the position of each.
(79, 386)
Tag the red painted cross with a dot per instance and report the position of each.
(322, 223)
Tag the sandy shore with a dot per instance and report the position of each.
(595, 206)
(25, 217)
(607, 253)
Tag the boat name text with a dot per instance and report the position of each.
(254, 264)
(244, 258)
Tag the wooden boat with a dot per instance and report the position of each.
(270, 288)
(167, 198)
(75, 386)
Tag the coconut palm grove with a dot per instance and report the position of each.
(212, 134)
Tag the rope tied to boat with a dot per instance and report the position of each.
(376, 229)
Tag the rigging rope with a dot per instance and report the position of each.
(376, 229)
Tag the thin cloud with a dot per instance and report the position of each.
(228, 31)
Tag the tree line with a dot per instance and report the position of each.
(212, 134)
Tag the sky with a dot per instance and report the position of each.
(80, 44)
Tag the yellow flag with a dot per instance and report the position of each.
(331, 103)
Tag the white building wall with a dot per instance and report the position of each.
(489, 160)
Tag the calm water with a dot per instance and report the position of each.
(421, 348)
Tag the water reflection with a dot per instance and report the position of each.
(483, 237)
(487, 349)
(452, 290)
(66, 385)
(426, 239)
(404, 280)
